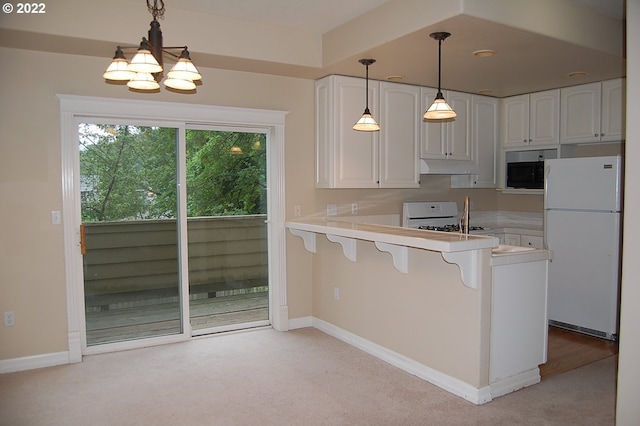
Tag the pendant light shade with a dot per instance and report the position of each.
(440, 109)
(366, 123)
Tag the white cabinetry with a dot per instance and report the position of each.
(346, 158)
(518, 323)
(450, 139)
(484, 142)
(531, 241)
(399, 121)
(531, 120)
(523, 239)
(593, 112)
(510, 239)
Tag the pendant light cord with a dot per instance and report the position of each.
(439, 64)
(366, 90)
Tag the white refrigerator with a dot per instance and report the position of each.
(582, 226)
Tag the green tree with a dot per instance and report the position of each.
(129, 172)
(226, 173)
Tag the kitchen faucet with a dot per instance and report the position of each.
(464, 226)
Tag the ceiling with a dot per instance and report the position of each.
(526, 60)
(319, 16)
(324, 15)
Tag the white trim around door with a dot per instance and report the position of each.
(73, 108)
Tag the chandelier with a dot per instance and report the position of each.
(145, 70)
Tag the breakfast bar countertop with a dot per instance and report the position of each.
(446, 242)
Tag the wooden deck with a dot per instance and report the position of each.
(136, 318)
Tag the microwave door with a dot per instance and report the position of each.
(526, 175)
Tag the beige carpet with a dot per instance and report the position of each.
(263, 377)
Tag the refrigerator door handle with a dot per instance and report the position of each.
(545, 242)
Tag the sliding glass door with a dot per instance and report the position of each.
(227, 229)
(147, 246)
(129, 231)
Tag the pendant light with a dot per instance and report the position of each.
(440, 109)
(366, 122)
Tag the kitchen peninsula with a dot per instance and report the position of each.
(428, 308)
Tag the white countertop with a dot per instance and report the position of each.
(508, 255)
(446, 242)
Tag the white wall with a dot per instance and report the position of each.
(32, 278)
(427, 315)
(628, 409)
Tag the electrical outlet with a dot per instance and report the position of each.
(9, 319)
(297, 210)
(336, 293)
(332, 209)
(354, 208)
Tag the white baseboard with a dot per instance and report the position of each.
(513, 383)
(32, 362)
(444, 381)
(450, 384)
(303, 322)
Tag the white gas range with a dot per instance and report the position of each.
(440, 216)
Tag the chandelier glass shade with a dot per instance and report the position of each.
(178, 84)
(146, 70)
(119, 69)
(440, 109)
(366, 123)
(143, 81)
(144, 62)
(184, 69)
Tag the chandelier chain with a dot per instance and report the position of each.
(157, 12)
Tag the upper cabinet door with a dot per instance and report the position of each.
(485, 131)
(433, 144)
(459, 129)
(400, 119)
(544, 118)
(580, 113)
(612, 124)
(324, 134)
(515, 121)
(356, 153)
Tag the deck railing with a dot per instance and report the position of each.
(140, 256)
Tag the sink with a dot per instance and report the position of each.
(504, 249)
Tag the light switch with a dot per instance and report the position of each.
(56, 217)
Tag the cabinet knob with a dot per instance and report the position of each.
(596, 135)
(525, 141)
(601, 134)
